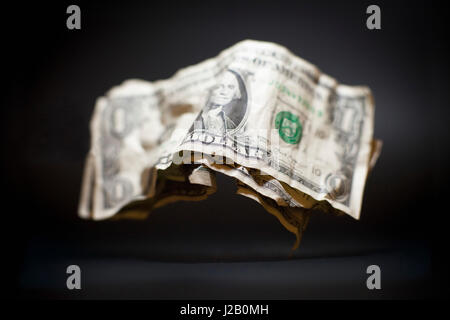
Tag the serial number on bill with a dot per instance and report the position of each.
(225, 310)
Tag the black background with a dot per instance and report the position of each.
(227, 246)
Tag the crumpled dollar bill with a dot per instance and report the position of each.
(294, 138)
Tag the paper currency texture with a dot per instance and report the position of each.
(293, 138)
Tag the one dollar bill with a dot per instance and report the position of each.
(293, 137)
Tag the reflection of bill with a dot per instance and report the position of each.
(226, 105)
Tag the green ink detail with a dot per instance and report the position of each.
(289, 127)
(304, 103)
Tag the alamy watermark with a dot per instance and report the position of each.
(374, 20)
(74, 279)
(74, 20)
(374, 280)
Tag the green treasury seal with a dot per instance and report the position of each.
(289, 127)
